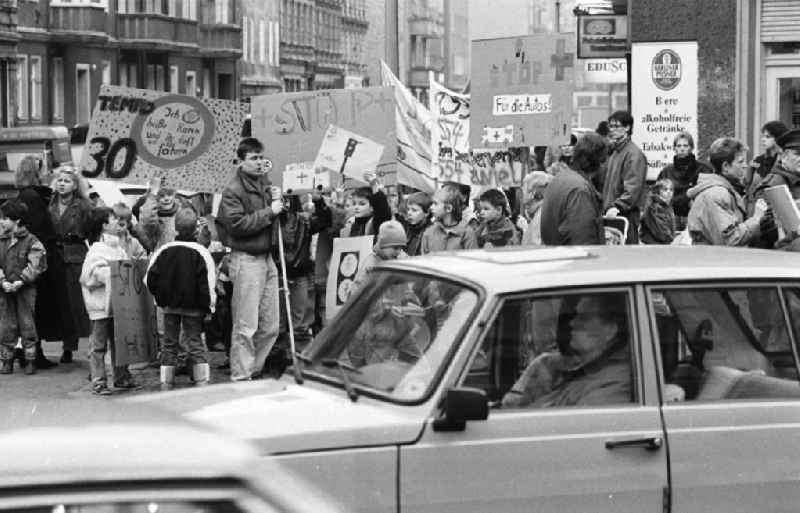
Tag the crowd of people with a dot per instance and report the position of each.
(57, 242)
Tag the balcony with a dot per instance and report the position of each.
(150, 30)
(426, 22)
(83, 23)
(221, 40)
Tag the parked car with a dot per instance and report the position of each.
(51, 144)
(98, 457)
(553, 379)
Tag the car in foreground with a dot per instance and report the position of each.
(543, 379)
(66, 457)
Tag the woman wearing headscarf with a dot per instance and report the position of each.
(69, 209)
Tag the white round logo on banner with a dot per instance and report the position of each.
(666, 70)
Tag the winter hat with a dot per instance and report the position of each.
(165, 191)
(391, 234)
(420, 198)
(186, 222)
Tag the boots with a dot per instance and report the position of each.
(31, 367)
(41, 360)
(6, 366)
(167, 377)
(201, 373)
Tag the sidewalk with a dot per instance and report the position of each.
(71, 380)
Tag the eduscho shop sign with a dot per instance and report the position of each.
(663, 98)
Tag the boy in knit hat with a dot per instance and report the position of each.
(22, 261)
(390, 246)
(418, 219)
(181, 277)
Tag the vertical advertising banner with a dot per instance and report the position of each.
(449, 134)
(664, 98)
(522, 91)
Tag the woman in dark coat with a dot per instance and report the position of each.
(683, 172)
(770, 133)
(69, 210)
(36, 197)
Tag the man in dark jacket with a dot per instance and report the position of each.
(683, 172)
(571, 212)
(786, 171)
(245, 223)
(624, 185)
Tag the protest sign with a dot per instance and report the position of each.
(296, 123)
(347, 153)
(413, 124)
(498, 168)
(664, 85)
(295, 178)
(522, 91)
(135, 329)
(347, 260)
(136, 134)
(785, 208)
(450, 133)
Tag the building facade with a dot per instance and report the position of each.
(355, 27)
(457, 44)
(9, 37)
(68, 49)
(261, 34)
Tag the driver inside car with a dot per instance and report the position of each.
(592, 365)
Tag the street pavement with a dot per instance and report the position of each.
(71, 380)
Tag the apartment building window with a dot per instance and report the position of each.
(206, 83)
(172, 8)
(189, 9)
(106, 78)
(96, 3)
(222, 11)
(245, 38)
(57, 76)
(253, 41)
(36, 86)
(191, 83)
(22, 87)
(127, 74)
(156, 77)
(174, 74)
(274, 43)
(262, 41)
(83, 91)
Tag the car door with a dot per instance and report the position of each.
(602, 455)
(729, 363)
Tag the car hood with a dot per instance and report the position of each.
(280, 417)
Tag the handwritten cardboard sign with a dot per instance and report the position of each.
(525, 82)
(346, 260)
(348, 153)
(135, 329)
(293, 125)
(450, 133)
(136, 134)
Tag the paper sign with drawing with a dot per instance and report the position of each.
(348, 153)
(136, 133)
(346, 260)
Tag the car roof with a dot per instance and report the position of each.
(74, 443)
(505, 270)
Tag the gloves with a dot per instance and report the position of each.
(276, 206)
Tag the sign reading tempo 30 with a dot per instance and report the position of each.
(510, 104)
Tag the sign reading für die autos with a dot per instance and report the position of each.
(664, 98)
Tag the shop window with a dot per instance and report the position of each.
(83, 91)
(191, 83)
(174, 74)
(106, 78)
(245, 38)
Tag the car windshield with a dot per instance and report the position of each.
(394, 335)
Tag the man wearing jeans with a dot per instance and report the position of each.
(246, 223)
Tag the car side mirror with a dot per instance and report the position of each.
(460, 405)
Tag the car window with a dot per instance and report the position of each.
(724, 343)
(557, 350)
(396, 334)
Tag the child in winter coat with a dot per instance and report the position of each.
(496, 229)
(22, 261)
(129, 243)
(390, 246)
(104, 230)
(658, 221)
(182, 277)
(418, 219)
(370, 210)
(449, 230)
